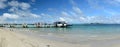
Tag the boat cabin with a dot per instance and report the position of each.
(60, 24)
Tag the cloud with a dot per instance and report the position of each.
(67, 19)
(73, 3)
(93, 3)
(21, 10)
(43, 15)
(71, 16)
(103, 19)
(105, 5)
(2, 19)
(33, 0)
(101, 4)
(64, 13)
(24, 11)
(3, 0)
(78, 11)
(11, 16)
(25, 14)
(62, 19)
(5, 16)
(14, 3)
(22, 5)
(18, 11)
(2, 4)
(117, 1)
(77, 16)
(113, 2)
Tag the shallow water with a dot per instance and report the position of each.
(78, 33)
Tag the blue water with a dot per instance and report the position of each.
(78, 32)
(93, 29)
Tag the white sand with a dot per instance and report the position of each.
(12, 39)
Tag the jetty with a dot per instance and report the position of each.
(36, 25)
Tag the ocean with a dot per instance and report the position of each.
(77, 33)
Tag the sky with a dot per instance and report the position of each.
(49, 11)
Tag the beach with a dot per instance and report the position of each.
(59, 23)
(13, 39)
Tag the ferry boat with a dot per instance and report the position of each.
(61, 24)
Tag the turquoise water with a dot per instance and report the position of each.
(78, 32)
(102, 29)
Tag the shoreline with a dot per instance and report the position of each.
(13, 39)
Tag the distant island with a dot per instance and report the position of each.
(96, 23)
